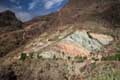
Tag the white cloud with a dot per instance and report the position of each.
(33, 4)
(47, 3)
(15, 1)
(24, 16)
(51, 3)
(19, 7)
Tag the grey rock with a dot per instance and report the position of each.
(82, 38)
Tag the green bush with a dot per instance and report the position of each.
(93, 65)
(23, 56)
(39, 57)
(118, 49)
(115, 57)
(80, 59)
(95, 59)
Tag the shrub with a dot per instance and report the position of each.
(39, 57)
(115, 57)
(95, 59)
(23, 56)
(80, 59)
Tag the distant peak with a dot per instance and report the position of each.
(8, 18)
(7, 12)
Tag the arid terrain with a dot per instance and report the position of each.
(79, 42)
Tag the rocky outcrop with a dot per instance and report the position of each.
(82, 43)
(9, 22)
(102, 38)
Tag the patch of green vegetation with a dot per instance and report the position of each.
(118, 48)
(54, 57)
(80, 59)
(23, 56)
(115, 57)
(93, 65)
(39, 56)
(69, 57)
(95, 59)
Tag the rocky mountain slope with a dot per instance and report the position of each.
(66, 45)
(8, 25)
(92, 18)
(9, 22)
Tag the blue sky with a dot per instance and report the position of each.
(27, 9)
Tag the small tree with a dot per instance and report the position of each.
(23, 56)
(39, 57)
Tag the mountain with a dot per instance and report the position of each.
(8, 25)
(66, 45)
(92, 16)
(78, 9)
(9, 22)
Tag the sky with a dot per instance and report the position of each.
(25, 10)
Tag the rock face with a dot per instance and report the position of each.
(82, 43)
(79, 43)
(103, 39)
(84, 39)
(9, 21)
